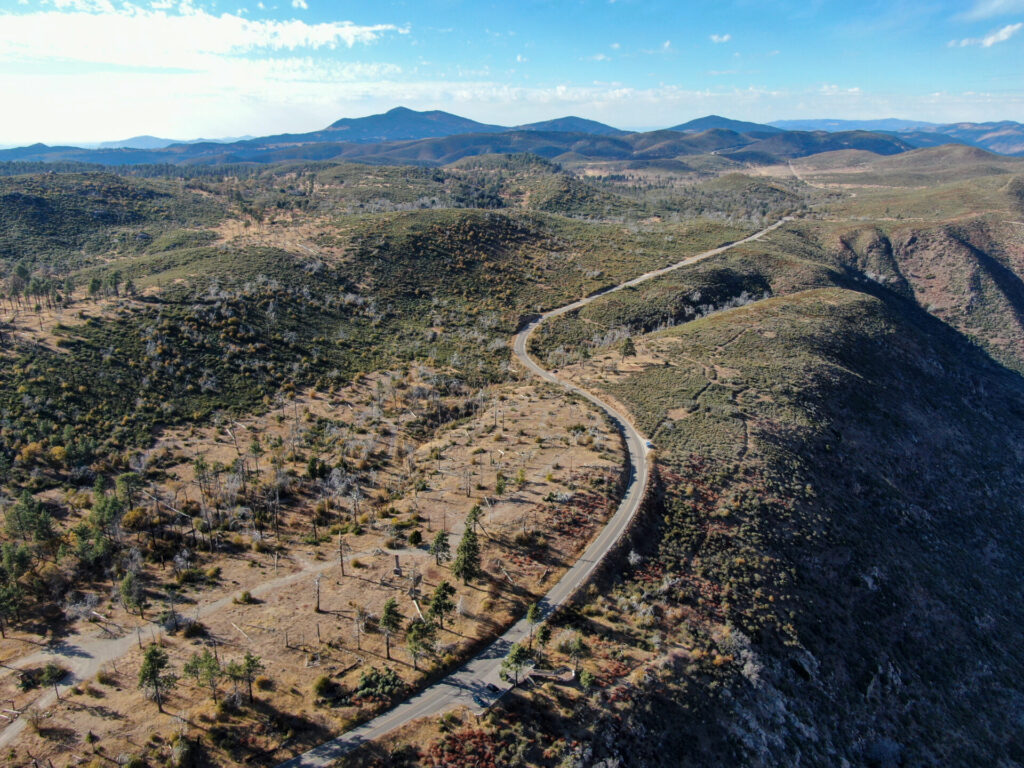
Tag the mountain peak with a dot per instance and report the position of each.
(573, 124)
(710, 122)
(402, 124)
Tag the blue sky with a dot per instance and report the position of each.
(87, 70)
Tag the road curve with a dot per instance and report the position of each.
(471, 680)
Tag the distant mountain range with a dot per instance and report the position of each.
(890, 124)
(403, 135)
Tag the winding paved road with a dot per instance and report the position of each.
(469, 684)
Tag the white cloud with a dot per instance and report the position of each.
(598, 57)
(721, 38)
(615, 46)
(92, 31)
(829, 89)
(986, 9)
(300, 4)
(520, 59)
(998, 36)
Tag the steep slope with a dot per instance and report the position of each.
(967, 275)
(829, 574)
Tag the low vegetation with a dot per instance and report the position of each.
(266, 461)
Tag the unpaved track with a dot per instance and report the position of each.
(460, 687)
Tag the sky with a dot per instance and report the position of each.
(94, 70)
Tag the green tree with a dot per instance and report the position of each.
(153, 676)
(15, 561)
(132, 594)
(206, 669)
(514, 662)
(576, 650)
(543, 635)
(127, 486)
(628, 348)
(532, 618)
(52, 674)
(441, 602)
(245, 671)
(467, 557)
(11, 600)
(29, 520)
(390, 622)
(587, 680)
(419, 639)
(473, 518)
(440, 548)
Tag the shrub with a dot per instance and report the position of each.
(323, 687)
(264, 683)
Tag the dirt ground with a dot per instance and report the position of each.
(558, 458)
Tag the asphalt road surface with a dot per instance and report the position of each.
(468, 685)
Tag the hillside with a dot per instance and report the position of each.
(223, 382)
(826, 572)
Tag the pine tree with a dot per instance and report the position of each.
(467, 557)
(514, 662)
(440, 548)
(132, 594)
(441, 602)
(206, 669)
(543, 635)
(419, 639)
(390, 622)
(152, 675)
(52, 674)
(245, 670)
(533, 618)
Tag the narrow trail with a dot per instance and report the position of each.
(469, 686)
